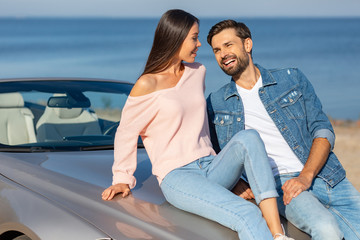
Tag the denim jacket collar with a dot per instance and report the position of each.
(231, 90)
(267, 78)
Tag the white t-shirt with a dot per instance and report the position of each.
(282, 158)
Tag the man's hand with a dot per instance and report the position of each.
(242, 189)
(111, 191)
(318, 155)
(293, 187)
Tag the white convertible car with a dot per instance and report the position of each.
(56, 153)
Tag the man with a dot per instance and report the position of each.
(282, 106)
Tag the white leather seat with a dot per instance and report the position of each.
(57, 123)
(16, 121)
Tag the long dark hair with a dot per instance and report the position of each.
(170, 33)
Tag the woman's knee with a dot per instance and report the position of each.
(249, 136)
(250, 140)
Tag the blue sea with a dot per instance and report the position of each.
(326, 50)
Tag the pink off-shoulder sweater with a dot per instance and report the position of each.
(172, 123)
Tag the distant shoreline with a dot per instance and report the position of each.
(345, 122)
(156, 18)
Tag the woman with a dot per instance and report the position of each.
(167, 108)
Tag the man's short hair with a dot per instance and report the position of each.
(242, 31)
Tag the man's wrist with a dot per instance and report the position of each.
(308, 175)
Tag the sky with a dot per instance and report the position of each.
(200, 8)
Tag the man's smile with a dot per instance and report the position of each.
(229, 61)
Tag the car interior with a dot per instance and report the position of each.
(50, 113)
(16, 121)
(59, 121)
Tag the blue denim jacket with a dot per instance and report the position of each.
(291, 102)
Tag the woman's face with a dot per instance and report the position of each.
(190, 45)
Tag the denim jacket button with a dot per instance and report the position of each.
(222, 122)
(238, 119)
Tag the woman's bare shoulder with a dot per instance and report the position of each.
(144, 85)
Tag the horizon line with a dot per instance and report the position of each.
(155, 17)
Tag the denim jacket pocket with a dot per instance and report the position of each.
(292, 104)
(224, 127)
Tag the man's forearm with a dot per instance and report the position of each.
(319, 153)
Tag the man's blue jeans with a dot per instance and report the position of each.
(323, 212)
(203, 186)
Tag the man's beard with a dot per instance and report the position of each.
(239, 68)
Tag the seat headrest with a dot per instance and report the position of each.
(11, 100)
(66, 113)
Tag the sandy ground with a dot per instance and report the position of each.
(347, 148)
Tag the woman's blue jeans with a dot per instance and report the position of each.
(324, 212)
(203, 186)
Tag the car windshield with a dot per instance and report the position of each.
(55, 115)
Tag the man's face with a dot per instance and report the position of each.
(230, 52)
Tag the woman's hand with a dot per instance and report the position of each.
(111, 191)
(242, 189)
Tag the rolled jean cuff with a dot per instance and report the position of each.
(266, 195)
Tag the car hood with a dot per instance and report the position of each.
(94, 167)
(75, 181)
